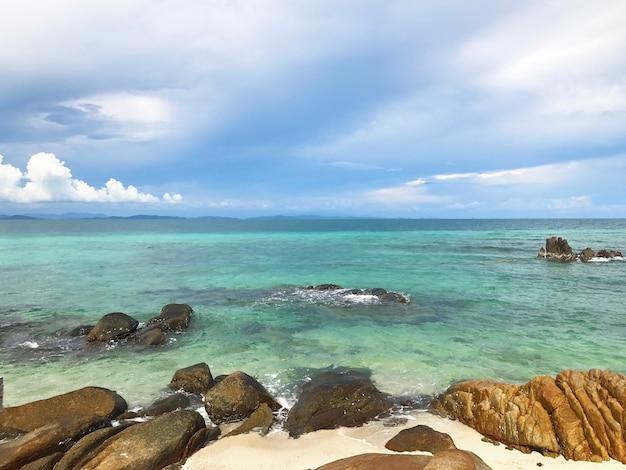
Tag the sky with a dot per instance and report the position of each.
(372, 108)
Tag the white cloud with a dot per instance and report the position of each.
(542, 174)
(47, 179)
(402, 195)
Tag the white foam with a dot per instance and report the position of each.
(30, 344)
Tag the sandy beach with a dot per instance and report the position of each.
(278, 451)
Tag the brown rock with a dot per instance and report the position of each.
(150, 445)
(261, 419)
(557, 249)
(334, 399)
(174, 317)
(579, 414)
(587, 254)
(420, 438)
(379, 461)
(195, 379)
(175, 401)
(44, 463)
(150, 336)
(456, 459)
(113, 326)
(235, 398)
(83, 402)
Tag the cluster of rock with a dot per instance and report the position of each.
(92, 427)
(382, 294)
(120, 326)
(558, 249)
(580, 415)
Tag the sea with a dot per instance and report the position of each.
(481, 304)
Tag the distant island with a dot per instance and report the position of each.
(88, 216)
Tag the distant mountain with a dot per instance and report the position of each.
(16, 217)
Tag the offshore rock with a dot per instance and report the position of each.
(150, 445)
(382, 294)
(421, 438)
(236, 397)
(579, 415)
(173, 317)
(196, 379)
(112, 326)
(557, 249)
(334, 399)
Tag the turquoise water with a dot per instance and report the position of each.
(482, 305)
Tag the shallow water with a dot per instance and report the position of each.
(481, 303)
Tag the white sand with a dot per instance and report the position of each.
(277, 451)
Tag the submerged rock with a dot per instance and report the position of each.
(334, 399)
(173, 317)
(113, 326)
(577, 414)
(382, 294)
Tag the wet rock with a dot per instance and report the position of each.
(200, 439)
(86, 401)
(323, 287)
(44, 463)
(173, 317)
(557, 249)
(235, 398)
(379, 461)
(577, 414)
(150, 336)
(586, 254)
(112, 326)
(195, 379)
(609, 254)
(422, 438)
(150, 445)
(81, 330)
(260, 420)
(173, 402)
(334, 399)
(47, 440)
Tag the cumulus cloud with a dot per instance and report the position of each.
(47, 179)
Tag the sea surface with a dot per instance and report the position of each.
(481, 304)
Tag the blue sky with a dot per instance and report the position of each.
(358, 108)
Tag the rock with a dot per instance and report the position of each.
(261, 419)
(609, 254)
(81, 330)
(420, 438)
(88, 447)
(150, 336)
(334, 399)
(557, 249)
(578, 414)
(47, 440)
(586, 254)
(195, 379)
(44, 463)
(456, 459)
(83, 402)
(173, 317)
(113, 326)
(200, 439)
(379, 461)
(150, 445)
(173, 402)
(323, 287)
(235, 398)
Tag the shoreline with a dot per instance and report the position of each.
(312, 450)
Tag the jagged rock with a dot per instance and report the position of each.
(420, 438)
(261, 419)
(174, 317)
(113, 326)
(578, 414)
(83, 402)
(195, 379)
(334, 399)
(235, 398)
(88, 447)
(47, 440)
(175, 401)
(150, 445)
(586, 254)
(557, 249)
(379, 461)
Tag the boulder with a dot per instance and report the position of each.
(195, 379)
(150, 445)
(44, 463)
(173, 317)
(113, 326)
(420, 438)
(150, 336)
(579, 415)
(235, 398)
(379, 461)
(586, 254)
(609, 254)
(86, 401)
(173, 402)
(44, 441)
(334, 399)
(456, 459)
(260, 420)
